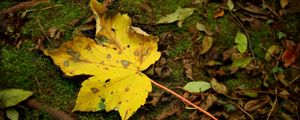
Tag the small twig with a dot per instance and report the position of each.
(249, 10)
(296, 78)
(270, 9)
(251, 117)
(297, 113)
(274, 104)
(248, 37)
(184, 100)
(276, 93)
(42, 29)
(52, 6)
(38, 83)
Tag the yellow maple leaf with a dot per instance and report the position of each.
(115, 60)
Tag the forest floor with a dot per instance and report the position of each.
(266, 87)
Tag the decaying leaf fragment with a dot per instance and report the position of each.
(274, 49)
(202, 27)
(114, 59)
(291, 53)
(206, 44)
(218, 86)
(179, 15)
(230, 4)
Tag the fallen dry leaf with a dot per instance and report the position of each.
(213, 63)
(281, 78)
(163, 72)
(173, 108)
(188, 68)
(284, 3)
(290, 54)
(253, 105)
(284, 93)
(230, 4)
(209, 101)
(218, 86)
(219, 13)
(179, 15)
(156, 97)
(272, 51)
(52, 32)
(194, 115)
(286, 116)
(228, 53)
(202, 27)
(206, 44)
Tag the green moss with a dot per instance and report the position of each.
(180, 47)
(23, 69)
(227, 30)
(258, 38)
(59, 16)
(7, 3)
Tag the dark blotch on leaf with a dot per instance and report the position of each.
(113, 30)
(128, 46)
(88, 48)
(101, 39)
(108, 56)
(106, 68)
(106, 81)
(126, 89)
(66, 63)
(111, 92)
(94, 90)
(115, 48)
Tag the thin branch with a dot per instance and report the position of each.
(274, 104)
(42, 29)
(251, 117)
(184, 100)
(296, 78)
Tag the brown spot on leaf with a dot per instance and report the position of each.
(126, 89)
(94, 90)
(108, 56)
(73, 53)
(125, 63)
(106, 68)
(88, 48)
(66, 63)
(136, 53)
(112, 29)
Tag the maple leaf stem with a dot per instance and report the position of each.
(184, 100)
